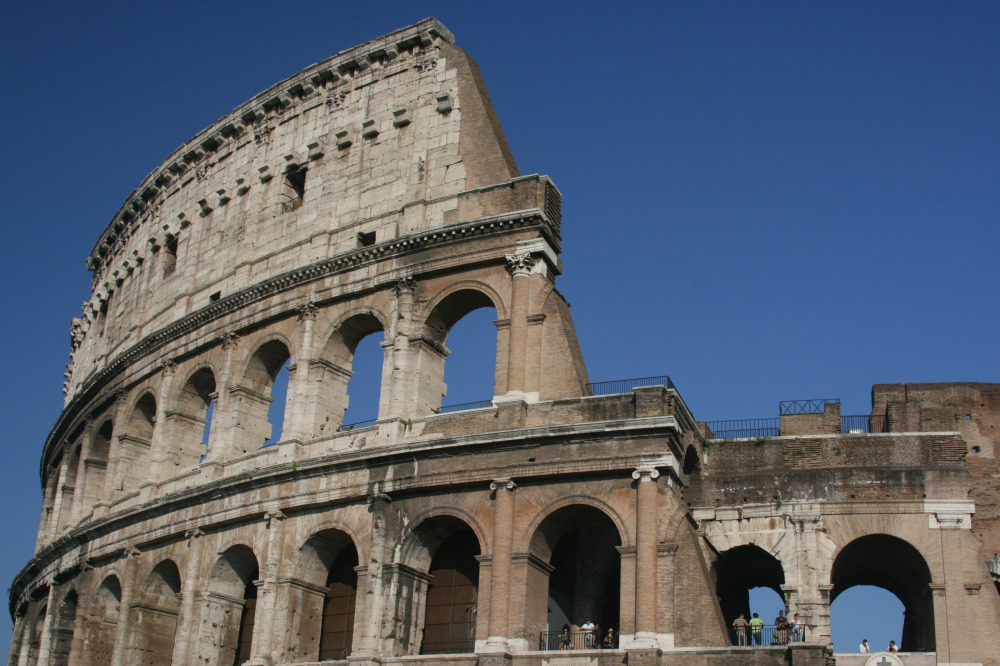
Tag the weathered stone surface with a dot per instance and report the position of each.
(374, 194)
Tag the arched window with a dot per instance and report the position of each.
(452, 596)
(324, 619)
(253, 402)
(190, 421)
(134, 444)
(351, 375)
(229, 608)
(887, 562)
(96, 465)
(103, 622)
(62, 629)
(479, 351)
(155, 620)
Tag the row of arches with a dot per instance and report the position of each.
(320, 589)
(877, 560)
(276, 384)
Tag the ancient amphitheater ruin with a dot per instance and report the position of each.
(374, 194)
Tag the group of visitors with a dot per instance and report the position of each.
(592, 638)
(865, 647)
(752, 632)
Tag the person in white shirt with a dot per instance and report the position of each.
(864, 646)
(588, 638)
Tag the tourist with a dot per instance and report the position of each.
(796, 625)
(756, 625)
(892, 647)
(864, 646)
(740, 629)
(610, 638)
(564, 638)
(588, 637)
(780, 629)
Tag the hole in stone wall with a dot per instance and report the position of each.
(366, 239)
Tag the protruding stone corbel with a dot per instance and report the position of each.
(368, 129)
(444, 103)
(343, 140)
(400, 117)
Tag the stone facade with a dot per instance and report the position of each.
(374, 194)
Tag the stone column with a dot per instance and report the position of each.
(124, 629)
(187, 622)
(646, 512)
(402, 387)
(263, 627)
(16, 641)
(45, 644)
(368, 613)
(503, 528)
(80, 484)
(221, 433)
(519, 266)
(160, 442)
(57, 506)
(114, 447)
(296, 427)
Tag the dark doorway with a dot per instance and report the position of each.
(450, 620)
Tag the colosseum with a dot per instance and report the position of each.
(374, 194)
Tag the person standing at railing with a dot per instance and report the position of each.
(796, 626)
(588, 637)
(756, 627)
(864, 646)
(564, 638)
(609, 638)
(740, 628)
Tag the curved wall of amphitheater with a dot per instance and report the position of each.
(373, 194)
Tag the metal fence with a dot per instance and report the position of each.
(766, 635)
(865, 423)
(465, 405)
(575, 640)
(357, 425)
(735, 429)
(626, 385)
(814, 406)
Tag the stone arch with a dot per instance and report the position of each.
(409, 548)
(465, 285)
(134, 444)
(440, 573)
(333, 374)
(581, 583)
(740, 569)
(322, 597)
(250, 398)
(228, 608)
(895, 565)
(441, 314)
(63, 626)
(35, 629)
(528, 536)
(97, 462)
(189, 418)
(102, 621)
(154, 621)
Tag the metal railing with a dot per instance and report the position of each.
(575, 640)
(865, 423)
(357, 425)
(480, 404)
(767, 635)
(626, 385)
(736, 429)
(814, 406)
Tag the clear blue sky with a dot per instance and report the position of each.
(764, 200)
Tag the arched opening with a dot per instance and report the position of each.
(887, 562)
(62, 629)
(259, 403)
(190, 421)
(580, 544)
(351, 376)
(324, 605)
(229, 608)
(739, 570)
(68, 488)
(134, 445)
(103, 622)
(155, 620)
(35, 642)
(475, 340)
(452, 596)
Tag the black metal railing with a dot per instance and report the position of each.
(357, 425)
(735, 429)
(463, 406)
(814, 406)
(767, 635)
(575, 640)
(865, 423)
(626, 385)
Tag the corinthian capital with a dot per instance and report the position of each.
(404, 285)
(520, 263)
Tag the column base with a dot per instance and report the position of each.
(495, 658)
(644, 657)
